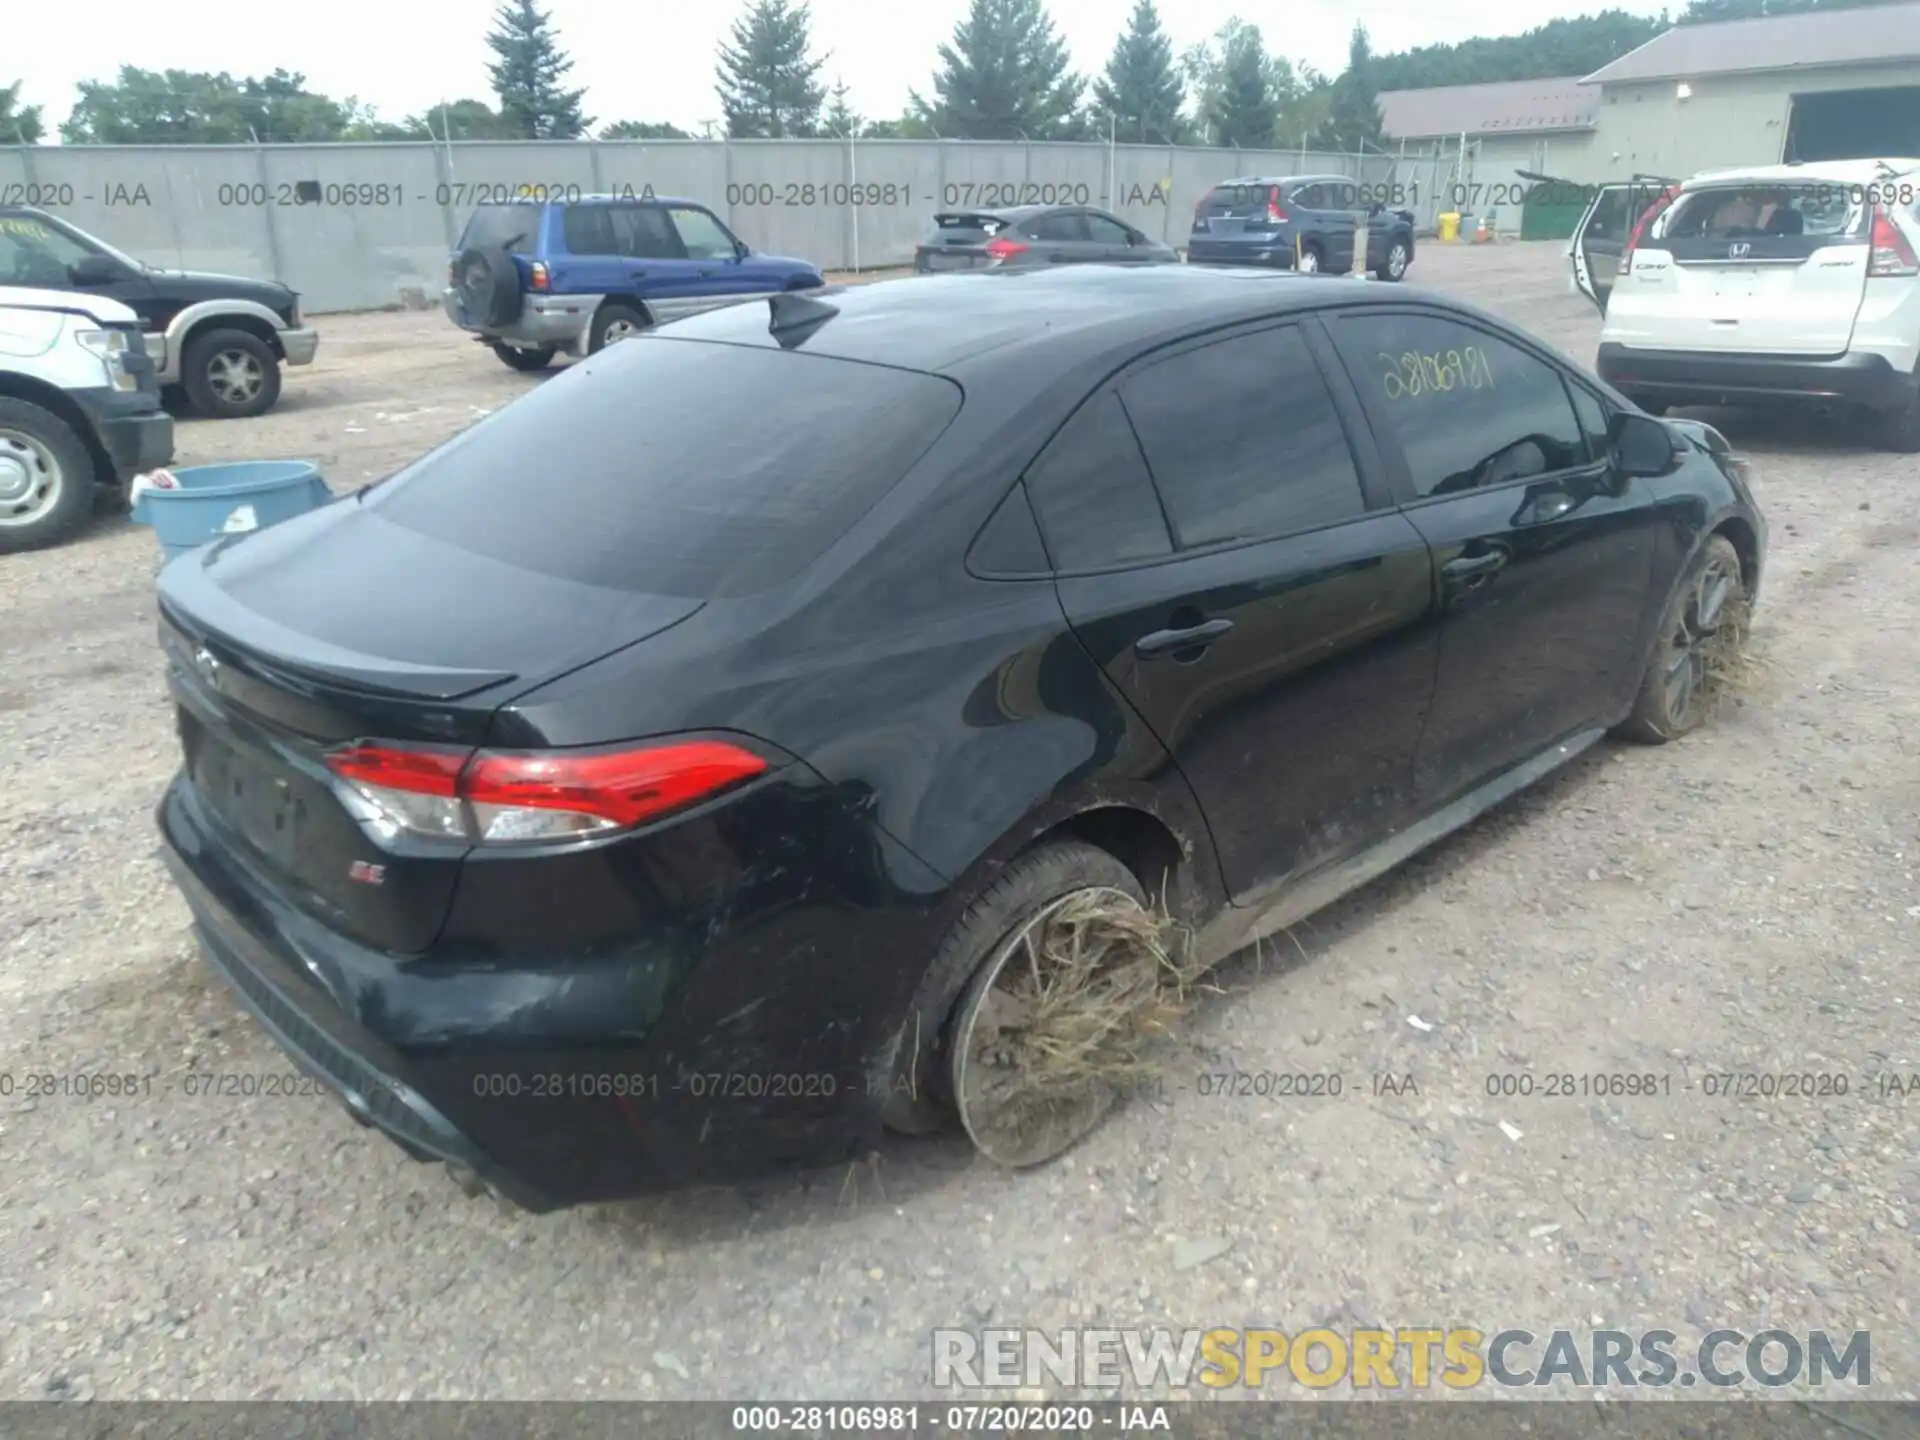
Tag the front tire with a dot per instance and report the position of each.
(230, 374)
(921, 1097)
(526, 361)
(612, 324)
(46, 478)
(1703, 630)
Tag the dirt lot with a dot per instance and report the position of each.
(1743, 901)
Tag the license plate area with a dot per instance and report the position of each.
(262, 808)
(947, 260)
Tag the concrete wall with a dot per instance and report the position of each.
(1728, 120)
(387, 215)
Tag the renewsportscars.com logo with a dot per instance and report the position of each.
(1413, 1357)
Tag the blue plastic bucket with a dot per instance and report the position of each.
(231, 499)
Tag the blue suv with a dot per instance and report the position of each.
(535, 278)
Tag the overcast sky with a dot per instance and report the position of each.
(649, 59)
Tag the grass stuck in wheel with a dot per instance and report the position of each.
(1063, 1019)
(1732, 667)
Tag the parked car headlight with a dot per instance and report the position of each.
(111, 347)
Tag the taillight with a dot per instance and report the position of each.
(1005, 249)
(1890, 254)
(539, 276)
(1654, 212)
(501, 797)
(1275, 215)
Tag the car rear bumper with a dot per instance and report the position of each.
(1677, 377)
(1277, 256)
(704, 1051)
(134, 431)
(559, 321)
(299, 345)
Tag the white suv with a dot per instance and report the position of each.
(1786, 282)
(79, 409)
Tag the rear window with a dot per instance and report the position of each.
(1772, 211)
(514, 228)
(966, 225)
(676, 467)
(1229, 200)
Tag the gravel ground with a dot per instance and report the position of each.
(1743, 901)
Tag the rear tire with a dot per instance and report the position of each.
(1310, 261)
(1679, 688)
(1899, 430)
(515, 358)
(46, 478)
(613, 323)
(230, 374)
(920, 1099)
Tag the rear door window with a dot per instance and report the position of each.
(513, 228)
(642, 232)
(1243, 440)
(1092, 493)
(1058, 227)
(675, 467)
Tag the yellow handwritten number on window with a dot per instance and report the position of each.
(1414, 374)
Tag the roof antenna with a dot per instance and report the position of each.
(796, 316)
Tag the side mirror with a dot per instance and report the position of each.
(741, 250)
(1640, 445)
(94, 270)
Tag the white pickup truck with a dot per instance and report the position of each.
(79, 409)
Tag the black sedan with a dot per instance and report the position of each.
(662, 823)
(1021, 236)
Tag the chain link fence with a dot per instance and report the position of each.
(357, 226)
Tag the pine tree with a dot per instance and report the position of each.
(1005, 76)
(1141, 89)
(527, 75)
(841, 120)
(1243, 110)
(1353, 123)
(769, 87)
(19, 124)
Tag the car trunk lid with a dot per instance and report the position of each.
(1759, 269)
(602, 508)
(340, 627)
(959, 239)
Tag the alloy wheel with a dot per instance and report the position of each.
(1705, 634)
(1022, 1082)
(235, 377)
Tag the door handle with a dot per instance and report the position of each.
(1474, 569)
(1191, 637)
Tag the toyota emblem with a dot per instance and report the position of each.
(1739, 250)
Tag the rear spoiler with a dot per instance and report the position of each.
(968, 220)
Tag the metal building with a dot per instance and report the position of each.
(1824, 85)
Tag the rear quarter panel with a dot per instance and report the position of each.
(961, 711)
